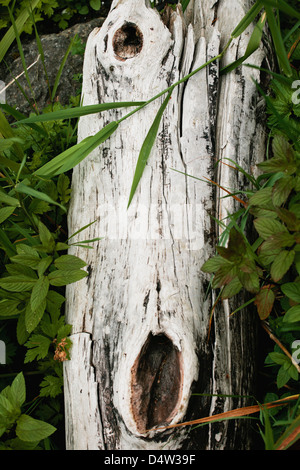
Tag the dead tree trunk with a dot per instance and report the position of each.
(141, 318)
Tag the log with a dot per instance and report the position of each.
(142, 343)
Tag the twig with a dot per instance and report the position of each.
(276, 340)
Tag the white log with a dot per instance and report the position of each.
(140, 319)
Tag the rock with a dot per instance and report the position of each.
(54, 47)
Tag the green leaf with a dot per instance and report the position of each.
(147, 147)
(69, 263)
(18, 389)
(224, 275)
(264, 302)
(38, 346)
(5, 212)
(9, 308)
(24, 189)
(281, 264)
(283, 377)
(292, 290)
(33, 317)
(9, 37)
(8, 200)
(278, 42)
(71, 113)
(262, 198)
(51, 386)
(95, 4)
(46, 237)
(74, 155)
(247, 19)
(292, 315)
(266, 227)
(214, 263)
(39, 292)
(282, 189)
(17, 283)
(62, 277)
(232, 288)
(30, 429)
(253, 44)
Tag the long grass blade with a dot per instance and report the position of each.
(252, 46)
(74, 155)
(147, 147)
(9, 37)
(247, 19)
(278, 42)
(283, 6)
(237, 413)
(61, 67)
(24, 189)
(79, 111)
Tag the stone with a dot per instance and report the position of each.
(55, 46)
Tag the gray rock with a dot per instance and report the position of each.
(55, 47)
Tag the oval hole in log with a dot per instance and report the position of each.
(156, 383)
(127, 41)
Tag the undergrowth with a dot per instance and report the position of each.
(36, 159)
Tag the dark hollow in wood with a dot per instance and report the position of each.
(127, 41)
(156, 383)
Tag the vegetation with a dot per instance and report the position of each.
(37, 155)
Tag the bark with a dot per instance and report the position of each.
(142, 344)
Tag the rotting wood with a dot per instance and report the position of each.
(143, 310)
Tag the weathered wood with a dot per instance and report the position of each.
(141, 318)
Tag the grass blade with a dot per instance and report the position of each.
(9, 37)
(61, 67)
(24, 189)
(247, 19)
(283, 6)
(71, 113)
(74, 155)
(147, 147)
(253, 44)
(278, 42)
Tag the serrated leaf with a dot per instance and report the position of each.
(262, 198)
(224, 275)
(46, 237)
(69, 263)
(44, 265)
(51, 386)
(292, 290)
(33, 317)
(266, 227)
(281, 264)
(17, 283)
(232, 288)
(62, 277)
(282, 189)
(264, 302)
(38, 346)
(27, 260)
(292, 315)
(213, 264)
(29, 429)
(18, 389)
(9, 307)
(39, 292)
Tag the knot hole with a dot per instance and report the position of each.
(127, 41)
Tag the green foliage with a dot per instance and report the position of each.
(34, 268)
(19, 430)
(59, 12)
